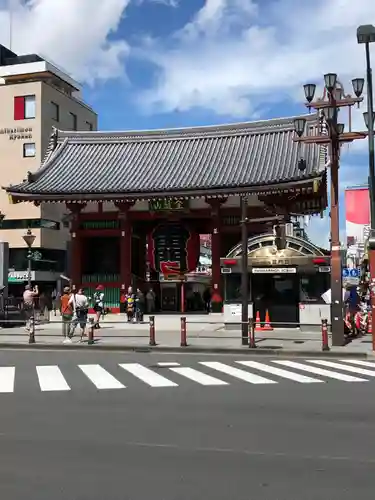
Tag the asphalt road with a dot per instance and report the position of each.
(241, 441)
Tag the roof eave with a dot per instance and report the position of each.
(290, 185)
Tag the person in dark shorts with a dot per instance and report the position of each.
(98, 304)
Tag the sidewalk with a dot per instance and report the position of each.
(204, 334)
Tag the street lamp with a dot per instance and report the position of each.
(29, 239)
(244, 272)
(328, 108)
(366, 35)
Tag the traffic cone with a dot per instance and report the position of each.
(267, 325)
(258, 327)
(369, 323)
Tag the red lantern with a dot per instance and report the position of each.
(173, 249)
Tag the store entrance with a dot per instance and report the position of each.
(279, 294)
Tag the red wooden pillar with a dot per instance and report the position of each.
(125, 244)
(76, 250)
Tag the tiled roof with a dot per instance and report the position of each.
(176, 162)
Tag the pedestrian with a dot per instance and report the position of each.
(130, 304)
(140, 305)
(150, 299)
(66, 311)
(80, 304)
(98, 304)
(55, 301)
(30, 295)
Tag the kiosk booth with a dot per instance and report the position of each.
(287, 283)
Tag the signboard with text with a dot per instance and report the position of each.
(17, 133)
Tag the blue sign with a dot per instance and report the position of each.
(350, 273)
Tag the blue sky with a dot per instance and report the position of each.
(171, 63)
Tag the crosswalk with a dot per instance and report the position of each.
(50, 378)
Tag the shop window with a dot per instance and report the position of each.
(24, 107)
(29, 224)
(233, 287)
(313, 286)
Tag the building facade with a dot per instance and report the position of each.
(161, 189)
(35, 96)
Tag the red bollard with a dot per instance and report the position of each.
(252, 344)
(90, 339)
(152, 331)
(183, 332)
(325, 346)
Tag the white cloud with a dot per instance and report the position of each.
(233, 57)
(74, 33)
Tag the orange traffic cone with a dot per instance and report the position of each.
(258, 327)
(267, 324)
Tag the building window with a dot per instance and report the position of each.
(73, 118)
(89, 126)
(24, 107)
(55, 113)
(30, 224)
(29, 150)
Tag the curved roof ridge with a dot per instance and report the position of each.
(259, 126)
(264, 236)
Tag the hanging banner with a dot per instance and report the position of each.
(173, 249)
(357, 215)
(357, 218)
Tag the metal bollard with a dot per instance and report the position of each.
(252, 344)
(325, 346)
(32, 329)
(152, 331)
(183, 332)
(90, 340)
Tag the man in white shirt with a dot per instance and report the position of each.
(80, 304)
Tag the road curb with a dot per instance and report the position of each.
(188, 349)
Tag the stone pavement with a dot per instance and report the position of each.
(204, 333)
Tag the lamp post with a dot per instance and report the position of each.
(366, 35)
(331, 133)
(29, 239)
(244, 273)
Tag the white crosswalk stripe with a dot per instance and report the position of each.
(358, 362)
(148, 376)
(197, 376)
(341, 366)
(51, 379)
(235, 372)
(100, 377)
(320, 371)
(303, 379)
(7, 374)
